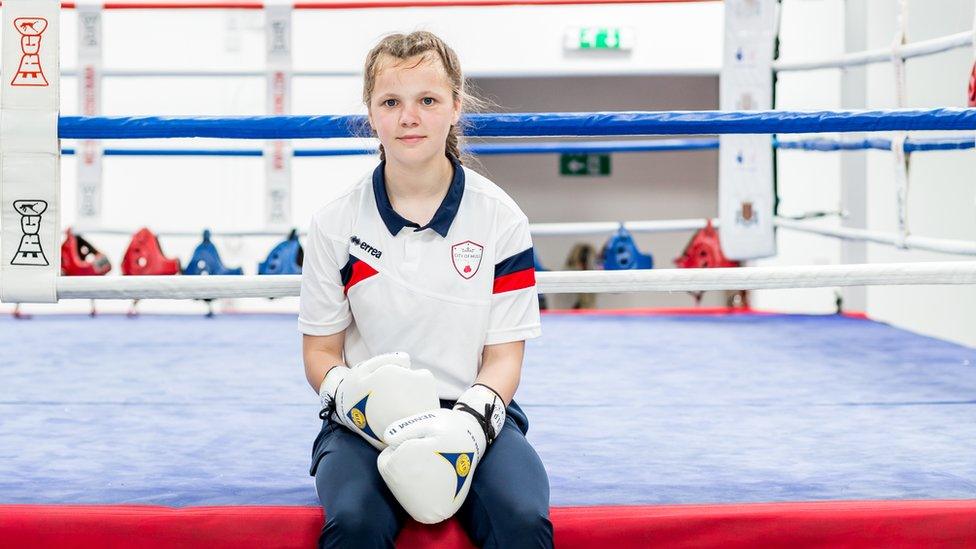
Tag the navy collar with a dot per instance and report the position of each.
(443, 217)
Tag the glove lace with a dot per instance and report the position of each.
(330, 408)
(482, 420)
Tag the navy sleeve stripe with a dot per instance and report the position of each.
(518, 262)
(346, 272)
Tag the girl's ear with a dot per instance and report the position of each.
(457, 112)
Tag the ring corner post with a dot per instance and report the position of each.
(30, 156)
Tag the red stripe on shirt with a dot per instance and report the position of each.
(360, 272)
(515, 281)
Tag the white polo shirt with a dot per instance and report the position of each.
(440, 292)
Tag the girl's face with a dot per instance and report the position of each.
(412, 108)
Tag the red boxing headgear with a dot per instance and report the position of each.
(972, 86)
(79, 258)
(145, 257)
(704, 251)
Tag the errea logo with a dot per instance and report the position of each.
(357, 243)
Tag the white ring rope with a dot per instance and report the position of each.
(911, 242)
(550, 282)
(757, 278)
(944, 245)
(882, 55)
(108, 231)
(605, 227)
(537, 229)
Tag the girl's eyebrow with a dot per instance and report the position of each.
(390, 94)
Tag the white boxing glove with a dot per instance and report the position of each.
(430, 461)
(371, 395)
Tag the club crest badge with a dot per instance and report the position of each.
(467, 258)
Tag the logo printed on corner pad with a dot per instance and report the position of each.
(29, 252)
(747, 214)
(364, 246)
(29, 71)
(467, 258)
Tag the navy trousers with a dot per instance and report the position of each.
(507, 506)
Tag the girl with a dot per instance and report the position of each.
(430, 258)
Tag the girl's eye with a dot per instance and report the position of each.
(428, 101)
(390, 103)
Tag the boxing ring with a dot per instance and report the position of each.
(679, 439)
(685, 427)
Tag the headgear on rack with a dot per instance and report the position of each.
(972, 86)
(580, 258)
(144, 256)
(285, 258)
(704, 251)
(80, 258)
(621, 252)
(206, 260)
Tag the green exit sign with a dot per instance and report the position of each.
(599, 38)
(584, 164)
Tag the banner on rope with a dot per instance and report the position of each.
(30, 259)
(746, 191)
(89, 163)
(278, 153)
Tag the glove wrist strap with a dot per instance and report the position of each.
(487, 407)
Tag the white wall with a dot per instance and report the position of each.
(942, 187)
(942, 199)
(492, 41)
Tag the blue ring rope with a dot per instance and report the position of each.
(526, 124)
(591, 147)
(882, 144)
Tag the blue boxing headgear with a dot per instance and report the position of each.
(621, 252)
(285, 258)
(206, 260)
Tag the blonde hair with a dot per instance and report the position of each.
(405, 46)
